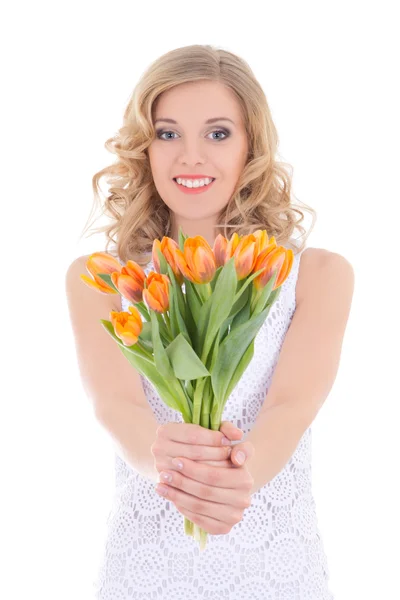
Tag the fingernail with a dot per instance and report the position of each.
(166, 476)
(177, 463)
(240, 457)
(162, 489)
(225, 441)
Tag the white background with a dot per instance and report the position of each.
(330, 75)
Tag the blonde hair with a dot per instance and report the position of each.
(262, 196)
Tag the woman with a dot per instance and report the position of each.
(198, 150)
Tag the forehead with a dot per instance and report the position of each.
(197, 100)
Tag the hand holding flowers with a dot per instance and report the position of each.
(212, 497)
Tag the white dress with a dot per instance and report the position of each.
(274, 553)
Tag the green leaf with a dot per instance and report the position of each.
(181, 238)
(246, 284)
(160, 355)
(243, 315)
(215, 278)
(193, 307)
(134, 349)
(171, 392)
(239, 314)
(230, 354)
(178, 324)
(145, 334)
(218, 307)
(184, 360)
(240, 369)
(107, 278)
(266, 293)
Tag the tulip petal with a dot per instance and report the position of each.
(102, 262)
(98, 284)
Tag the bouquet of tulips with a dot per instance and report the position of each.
(194, 344)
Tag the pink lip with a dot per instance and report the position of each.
(199, 176)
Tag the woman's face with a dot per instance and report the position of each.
(191, 146)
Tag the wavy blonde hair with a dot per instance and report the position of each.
(262, 196)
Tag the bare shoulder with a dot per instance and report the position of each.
(319, 264)
(74, 282)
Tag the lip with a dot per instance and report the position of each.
(196, 176)
(198, 190)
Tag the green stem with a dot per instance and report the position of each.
(254, 299)
(146, 352)
(168, 323)
(206, 404)
(143, 310)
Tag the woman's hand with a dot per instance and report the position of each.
(210, 496)
(192, 441)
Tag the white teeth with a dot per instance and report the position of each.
(194, 182)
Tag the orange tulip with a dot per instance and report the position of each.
(219, 249)
(130, 281)
(167, 247)
(246, 254)
(156, 295)
(101, 262)
(197, 261)
(273, 258)
(127, 326)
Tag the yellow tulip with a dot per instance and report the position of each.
(156, 295)
(232, 245)
(130, 281)
(263, 240)
(127, 325)
(197, 261)
(101, 262)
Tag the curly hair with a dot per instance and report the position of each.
(262, 198)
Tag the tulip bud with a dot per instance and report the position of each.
(127, 325)
(156, 295)
(101, 262)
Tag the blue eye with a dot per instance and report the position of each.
(161, 132)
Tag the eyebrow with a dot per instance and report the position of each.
(207, 122)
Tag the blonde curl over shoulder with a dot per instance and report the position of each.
(262, 198)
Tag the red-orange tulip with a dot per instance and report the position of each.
(130, 281)
(127, 325)
(101, 262)
(167, 247)
(197, 261)
(156, 295)
(220, 249)
(273, 258)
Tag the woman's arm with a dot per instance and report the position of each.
(112, 384)
(306, 368)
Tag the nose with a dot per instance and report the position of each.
(193, 153)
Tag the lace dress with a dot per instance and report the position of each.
(274, 553)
